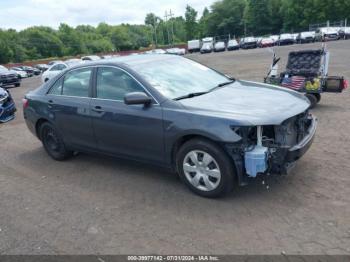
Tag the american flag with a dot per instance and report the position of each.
(294, 82)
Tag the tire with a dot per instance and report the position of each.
(214, 176)
(318, 97)
(17, 84)
(312, 98)
(53, 143)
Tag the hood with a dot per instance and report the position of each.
(8, 72)
(249, 103)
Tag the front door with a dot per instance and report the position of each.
(120, 129)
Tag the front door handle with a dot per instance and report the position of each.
(50, 103)
(98, 109)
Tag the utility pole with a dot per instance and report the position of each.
(166, 25)
(155, 29)
(168, 17)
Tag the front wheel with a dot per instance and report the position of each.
(313, 99)
(205, 168)
(53, 142)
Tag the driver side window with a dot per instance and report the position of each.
(114, 84)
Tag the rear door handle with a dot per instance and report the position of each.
(98, 109)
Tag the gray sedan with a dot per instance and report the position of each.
(167, 110)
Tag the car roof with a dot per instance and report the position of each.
(129, 60)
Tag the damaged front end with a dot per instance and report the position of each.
(272, 149)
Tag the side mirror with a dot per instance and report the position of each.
(137, 98)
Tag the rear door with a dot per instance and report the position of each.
(120, 129)
(68, 101)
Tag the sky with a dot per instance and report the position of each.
(20, 14)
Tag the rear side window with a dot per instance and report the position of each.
(114, 84)
(77, 83)
(56, 89)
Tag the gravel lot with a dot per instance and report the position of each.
(94, 204)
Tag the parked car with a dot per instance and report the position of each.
(42, 67)
(266, 42)
(21, 73)
(275, 38)
(158, 51)
(176, 51)
(248, 42)
(206, 48)
(28, 70)
(194, 46)
(31, 70)
(306, 37)
(7, 106)
(232, 45)
(54, 70)
(73, 61)
(344, 33)
(285, 39)
(91, 58)
(219, 47)
(54, 62)
(9, 77)
(326, 34)
(176, 113)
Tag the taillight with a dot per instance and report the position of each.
(345, 84)
(25, 102)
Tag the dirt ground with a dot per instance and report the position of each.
(97, 205)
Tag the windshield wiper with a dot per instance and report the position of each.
(190, 95)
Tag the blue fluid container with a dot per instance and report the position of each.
(256, 160)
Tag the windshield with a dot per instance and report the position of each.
(178, 77)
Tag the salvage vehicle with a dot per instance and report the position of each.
(326, 34)
(219, 47)
(9, 77)
(306, 37)
(42, 67)
(285, 39)
(91, 58)
(194, 46)
(173, 112)
(307, 72)
(7, 106)
(21, 73)
(54, 70)
(344, 33)
(248, 43)
(232, 45)
(31, 70)
(266, 42)
(206, 48)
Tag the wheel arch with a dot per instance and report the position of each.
(187, 137)
(38, 124)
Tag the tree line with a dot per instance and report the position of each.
(223, 17)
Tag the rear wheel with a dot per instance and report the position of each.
(312, 98)
(205, 168)
(53, 142)
(17, 84)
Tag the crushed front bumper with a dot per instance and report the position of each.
(286, 158)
